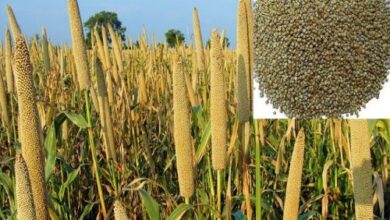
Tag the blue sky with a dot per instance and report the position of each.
(157, 16)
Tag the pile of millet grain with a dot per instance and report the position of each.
(316, 58)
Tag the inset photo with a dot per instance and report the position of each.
(318, 59)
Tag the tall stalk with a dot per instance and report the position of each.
(93, 152)
(257, 170)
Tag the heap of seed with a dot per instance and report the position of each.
(321, 58)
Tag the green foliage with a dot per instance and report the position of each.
(174, 37)
(100, 19)
(78, 120)
(71, 177)
(152, 207)
(50, 146)
(179, 212)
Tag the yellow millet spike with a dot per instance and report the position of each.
(198, 41)
(8, 62)
(78, 45)
(15, 28)
(24, 197)
(105, 46)
(251, 53)
(218, 113)
(142, 91)
(108, 134)
(100, 47)
(182, 131)
(293, 190)
(120, 211)
(242, 90)
(29, 127)
(94, 99)
(45, 49)
(194, 65)
(191, 93)
(116, 47)
(3, 104)
(361, 169)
